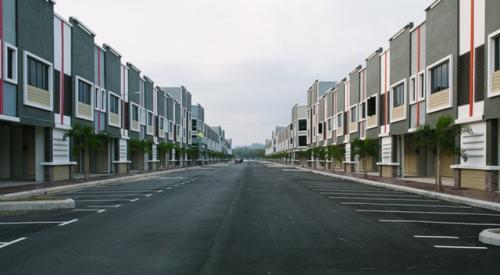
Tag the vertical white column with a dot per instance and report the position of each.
(39, 153)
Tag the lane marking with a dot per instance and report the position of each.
(97, 196)
(406, 205)
(5, 244)
(104, 206)
(426, 212)
(386, 199)
(68, 222)
(134, 200)
(148, 195)
(27, 223)
(100, 192)
(356, 190)
(435, 237)
(176, 185)
(365, 194)
(461, 247)
(439, 222)
(168, 188)
(159, 191)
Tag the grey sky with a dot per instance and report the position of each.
(246, 61)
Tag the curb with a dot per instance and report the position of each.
(490, 236)
(37, 205)
(77, 186)
(429, 194)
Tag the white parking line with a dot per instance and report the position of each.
(435, 237)
(5, 244)
(439, 222)
(134, 200)
(406, 205)
(68, 222)
(366, 194)
(148, 195)
(104, 206)
(105, 195)
(461, 247)
(355, 190)
(428, 213)
(176, 185)
(89, 210)
(380, 199)
(159, 191)
(168, 188)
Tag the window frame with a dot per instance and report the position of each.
(493, 57)
(367, 104)
(50, 76)
(91, 95)
(437, 73)
(401, 98)
(451, 87)
(118, 98)
(305, 124)
(15, 63)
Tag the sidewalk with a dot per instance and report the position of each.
(472, 197)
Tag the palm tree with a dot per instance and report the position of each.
(336, 153)
(84, 140)
(365, 149)
(440, 140)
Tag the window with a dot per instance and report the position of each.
(150, 119)
(329, 124)
(363, 110)
(84, 93)
(340, 120)
(497, 53)
(103, 101)
(302, 140)
(440, 78)
(354, 115)
(320, 128)
(161, 122)
(114, 104)
(135, 113)
(302, 124)
(421, 86)
(38, 74)
(413, 90)
(11, 63)
(398, 95)
(372, 106)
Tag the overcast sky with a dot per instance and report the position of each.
(246, 61)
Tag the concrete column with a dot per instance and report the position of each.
(146, 163)
(39, 154)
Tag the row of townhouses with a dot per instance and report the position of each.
(448, 65)
(54, 76)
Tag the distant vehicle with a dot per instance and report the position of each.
(238, 160)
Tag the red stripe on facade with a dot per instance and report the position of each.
(385, 93)
(1, 55)
(61, 80)
(417, 82)
(99, 84)
(471, 62)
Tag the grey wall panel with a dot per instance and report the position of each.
(9, 21)
(340, 97)
(133, 86)
(82, 49)
(113, 76)
(400, 57)
(355, 87)
(148, 89)
(373, 75)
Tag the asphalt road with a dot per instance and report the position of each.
(249, 218)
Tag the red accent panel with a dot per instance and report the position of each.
(61, 80)
(1, 54)
(472, 57)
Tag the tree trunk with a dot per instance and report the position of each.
(87, 165)
(438, 170)
(365, 171)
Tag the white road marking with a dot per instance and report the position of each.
(429, 213)
(100, 192)
(355, 190)
(27, 223)
(439, 222)
(148, 195)
(435, 237)
(89, 210)
(68, 222)
(406, 205)
(117, 200)
(366, 194)
(159, 191)
(461, 247)
(168, 188)
(104, 206)
(176, 185)
(98, 196)
(134, 200)
(383, 199)
(5, 244)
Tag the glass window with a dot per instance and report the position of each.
(11, 64)
(363, 110)
(302, 125)
(103, 102)
(372, 107)
(320, 128)
(413, 90)
(150, 119)
(84, 93)
(440, 78)
(114, 105)
(38, 74)
(354, 115)
(398, 95)
(135, 113)
(421, 86)
(302, 140)
(340, 121)
(497, 54)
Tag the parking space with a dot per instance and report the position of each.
(438, 224)
(99, 200)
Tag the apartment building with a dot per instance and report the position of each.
(444, 66)
(53, 77)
